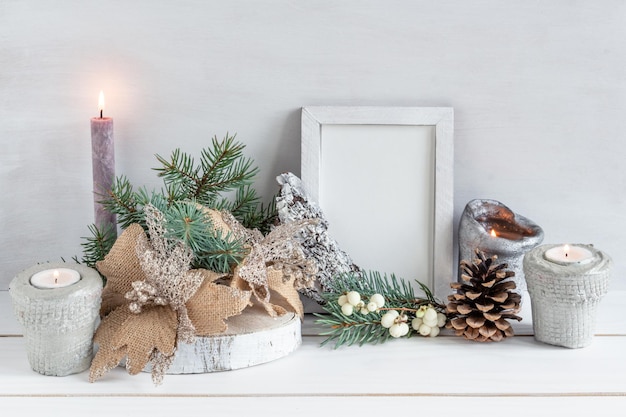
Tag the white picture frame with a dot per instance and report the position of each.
(354, 157)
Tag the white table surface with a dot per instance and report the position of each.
(445, 375)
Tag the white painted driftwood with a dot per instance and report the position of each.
(252, 338)
(392, 123)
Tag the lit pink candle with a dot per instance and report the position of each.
(103, 165)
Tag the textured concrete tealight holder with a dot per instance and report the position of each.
(58, 323)
(564, 295)
(495, 229)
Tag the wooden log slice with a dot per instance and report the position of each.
(252, 338)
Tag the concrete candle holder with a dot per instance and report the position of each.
(495, 229)
(565, 293)
(59, 322)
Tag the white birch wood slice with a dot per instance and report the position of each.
(252, 338)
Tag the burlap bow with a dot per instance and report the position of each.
(152, 300)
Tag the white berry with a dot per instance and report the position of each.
(353, 297)
(434, 332)
(399, 330)
(430, 314)
(364, 310)
(378, 299)
(429, 320)
(416, 323)
(394, 330)
(441, 319)
(372, 306)
(347, 309)
(420, 312)
(424, 330)
(389, 318)
(342, 300)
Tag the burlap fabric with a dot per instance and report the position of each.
(151, 335)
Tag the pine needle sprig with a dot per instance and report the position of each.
(222, 168)
(96, 246)
(397, 292)
(264, 218)
(126, 203)
(187, 222)
(250, 211)
(359, 328)
(246, 201)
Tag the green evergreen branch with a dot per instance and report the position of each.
(187, 222)
(263, 218)
(96, 246)
(222, 169)
(397, 292)
(360, 328)
(356, 329)
(125, 202)
(246, 201)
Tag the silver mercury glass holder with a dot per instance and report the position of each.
(493, 228)
(58, 323)
(564, 294)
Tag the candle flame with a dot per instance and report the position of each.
(566, 250)
(55, 274)
(101, 102)
(493, 233)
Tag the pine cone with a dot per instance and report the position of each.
(484, 301)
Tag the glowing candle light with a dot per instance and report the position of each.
(566, 254)
(55, 278)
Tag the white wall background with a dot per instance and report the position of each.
(538, 88)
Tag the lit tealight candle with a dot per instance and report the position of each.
(55, 278)
(567, 254)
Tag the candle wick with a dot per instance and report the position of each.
(101, 114)
(56, 281)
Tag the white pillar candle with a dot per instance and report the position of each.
(566, 254)
(55, 278)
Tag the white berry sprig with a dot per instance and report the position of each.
(352, 300)
(427, 321)
(370, 308)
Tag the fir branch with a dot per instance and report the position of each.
(356, 329)
(365, 327)
(263, 218)
(246, 201)
(222, 169)
(97, 245)
(125, 202)
(224, 166)
(187, 222)
(397, 292)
